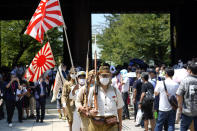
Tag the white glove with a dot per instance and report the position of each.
(64, 105)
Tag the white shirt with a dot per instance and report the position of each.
(116, 81)
(125, 86)
(74, 97)
(108, 102)
(172, 87)
(18, 92)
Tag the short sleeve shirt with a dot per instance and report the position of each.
(108, 102)
(185, 89)
(172, 87)
(138, 86)
(147, 86)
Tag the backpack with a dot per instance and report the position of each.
(148, 98)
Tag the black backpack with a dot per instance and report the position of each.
(148, 98)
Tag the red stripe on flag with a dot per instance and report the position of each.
(56, 12)
(56, 3)
(32, 25)
(57, 22)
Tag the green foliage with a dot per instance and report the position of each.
(144, 36)
(18, 48)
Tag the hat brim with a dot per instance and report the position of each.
(104, 72)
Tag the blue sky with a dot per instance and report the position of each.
(98, 19)
(98, 22)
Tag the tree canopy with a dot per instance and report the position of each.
(144, 36)
(18, 48)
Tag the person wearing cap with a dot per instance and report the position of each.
(108, 116)
(67, 103)
(81, 101)
(73, 95)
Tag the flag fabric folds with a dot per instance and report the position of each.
(59, 83)
(42, 62)
(47, 15)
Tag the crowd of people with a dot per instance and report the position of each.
(16, 91)
(99, 99)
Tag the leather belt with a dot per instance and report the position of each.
(101, 120)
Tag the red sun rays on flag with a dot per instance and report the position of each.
(47, 15)
(42, 62)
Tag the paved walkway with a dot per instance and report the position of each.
(53, 123)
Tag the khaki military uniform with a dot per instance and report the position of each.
(108, 103)
(80, 101)
(66, 102)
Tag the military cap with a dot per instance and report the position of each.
(104, 70)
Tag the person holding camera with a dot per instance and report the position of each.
(10, 97)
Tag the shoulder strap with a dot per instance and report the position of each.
(166, 90)
(165, 86)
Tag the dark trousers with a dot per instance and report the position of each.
(163, 116)
(19, 106)
(165, 126)
(186, 122)
(10, 106)
(135, 109)
(125, 107)
(40, 104)
(1, 111)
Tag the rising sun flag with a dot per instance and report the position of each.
(42, 62)
(47, 15)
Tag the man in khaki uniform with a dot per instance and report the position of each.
(67, 103)
(81, 101)
(108, 117)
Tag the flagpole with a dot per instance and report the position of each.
(87, 72)
(68, 45)
(65, 32)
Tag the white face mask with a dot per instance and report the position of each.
(104, 81)
(81, 82)
(72, 76)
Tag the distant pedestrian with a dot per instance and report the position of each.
(147, 106)
(31, 91)
(125, 93)
(40, 96)
(10, 97)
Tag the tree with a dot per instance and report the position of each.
(18, 48)
(144, 36)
